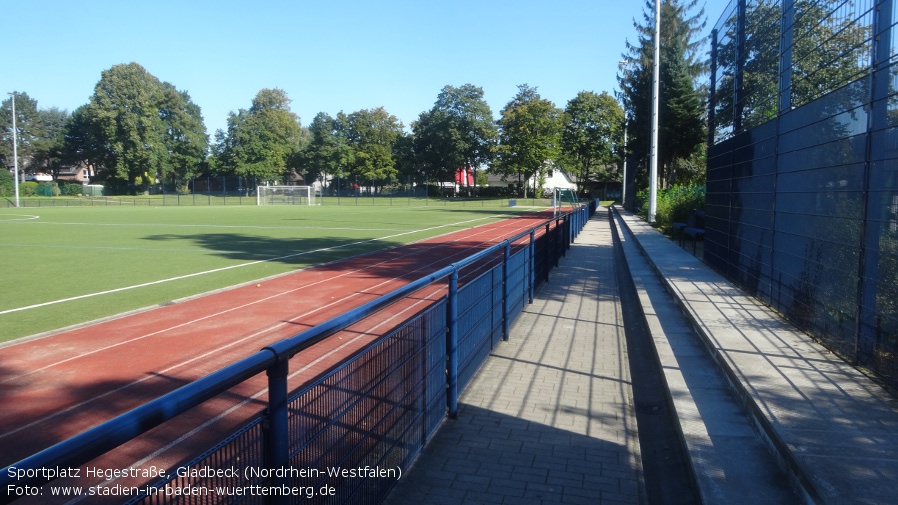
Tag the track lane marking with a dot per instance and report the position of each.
(230, 344)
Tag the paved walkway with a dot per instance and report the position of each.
(549, 417)
(766, 414)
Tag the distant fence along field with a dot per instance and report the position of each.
(211, 199)
(100, 257)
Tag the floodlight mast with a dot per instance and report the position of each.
(15, 143)
(656, 71)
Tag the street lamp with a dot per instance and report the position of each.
(15, 144)
(656, 71)
(624, 64)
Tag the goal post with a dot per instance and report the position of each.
(285, 195)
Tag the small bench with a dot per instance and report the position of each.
(694, 228)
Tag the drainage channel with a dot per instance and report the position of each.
(666, 470)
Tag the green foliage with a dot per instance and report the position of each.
(593, 135)
(530, 135)
(372, 134)
(27, 128)
(681, 99)
(40, 135)
(262, 141)
(7, 184)
(328, 153)
(136, 127)
(71, 189)
(27, 188)
(457, 132)
(674, 204)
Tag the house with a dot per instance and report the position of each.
(74, 173)
(555, 178)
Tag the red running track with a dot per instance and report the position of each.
(58, 386)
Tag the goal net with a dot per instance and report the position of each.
(285, 195)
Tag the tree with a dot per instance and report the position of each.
(261, 141)
(458, 131)
(28, 130)
(529, 136)
(681, 67)
(48, 154)
(328, 152)
(185, 135)
(592, 134)
(408, 164)
(123, 114)
(136, 128)
(435, 145)
(372, 134)
(79, 143)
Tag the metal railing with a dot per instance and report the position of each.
(375, 409)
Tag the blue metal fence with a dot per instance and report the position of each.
(374, 410)
(802, 192)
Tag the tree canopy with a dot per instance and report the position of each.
(39, 134)
(372, 134)
(458, 131)
(529, 136)
(136, 128)
(328, 151)
(261, 141)
(592, 135)
(681, 99)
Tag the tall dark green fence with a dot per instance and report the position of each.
(802, 194)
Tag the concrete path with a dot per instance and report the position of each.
(549, 417)
(833, 430)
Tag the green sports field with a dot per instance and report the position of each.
(65, 266)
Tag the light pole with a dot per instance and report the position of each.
(653, 172)
(15, 147)
(624, 65)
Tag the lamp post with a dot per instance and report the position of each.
(15, 144)
(653, 172)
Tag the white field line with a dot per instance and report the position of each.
(203, 226)
(241, 265)
(188, 361)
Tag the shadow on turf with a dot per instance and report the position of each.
(380, 258)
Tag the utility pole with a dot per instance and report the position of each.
(15, 147)
(656, 71)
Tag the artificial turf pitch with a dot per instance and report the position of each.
(67, 266)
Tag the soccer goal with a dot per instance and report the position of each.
(285, 195)
(562, 197)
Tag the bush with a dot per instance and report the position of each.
(674, 204)
(28, 188)
(71, 189)
(6, 183)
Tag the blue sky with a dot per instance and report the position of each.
(328, 56)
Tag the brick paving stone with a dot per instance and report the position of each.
(549, 417)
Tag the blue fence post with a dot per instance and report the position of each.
(278, 441)
(505, 288)
(452, 345)
(532, 263)
(565, 236)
